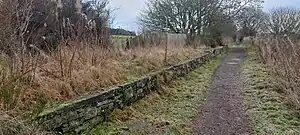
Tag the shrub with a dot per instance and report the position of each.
(282, 55)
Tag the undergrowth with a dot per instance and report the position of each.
(31, 83)
(169, 113)
(269, 112)
(16, 126)
(281, 55)
(28, 82)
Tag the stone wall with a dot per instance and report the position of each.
(87, 111)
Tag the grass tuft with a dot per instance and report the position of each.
(15, 126)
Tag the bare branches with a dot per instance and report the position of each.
(281, 54)
(283, 20)
(250, 20)
(43, 23)
(192, 16)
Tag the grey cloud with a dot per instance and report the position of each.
(269, 4)
(127, 12)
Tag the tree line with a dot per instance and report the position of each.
(120, 31)
(42, 24)
(212, 19)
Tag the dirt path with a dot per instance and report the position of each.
(224, 113)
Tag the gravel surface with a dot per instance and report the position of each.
(224, 113)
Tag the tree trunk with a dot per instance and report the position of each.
(78, 7)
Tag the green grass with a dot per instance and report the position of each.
(121, 36)
(119, 41)
(267, 109)
(169, 113)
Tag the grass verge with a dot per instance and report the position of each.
(268, 110)
(171, 112)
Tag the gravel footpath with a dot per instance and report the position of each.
(224, 113)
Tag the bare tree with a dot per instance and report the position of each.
(16, 16)
(283, 20)
(42, 23)
(78, 6)
(250, 20)
(192, 17)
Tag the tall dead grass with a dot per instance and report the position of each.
(29, 82)
(16, 126)
(282, 55)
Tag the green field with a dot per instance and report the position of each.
(119, 41)
(121, 36)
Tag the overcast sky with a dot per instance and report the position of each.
(127, 11)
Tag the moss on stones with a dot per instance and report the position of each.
(169, 113)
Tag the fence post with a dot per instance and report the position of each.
(166, 49)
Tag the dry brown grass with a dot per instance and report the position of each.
(29, 82)
(282, 55)
(15, 126)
